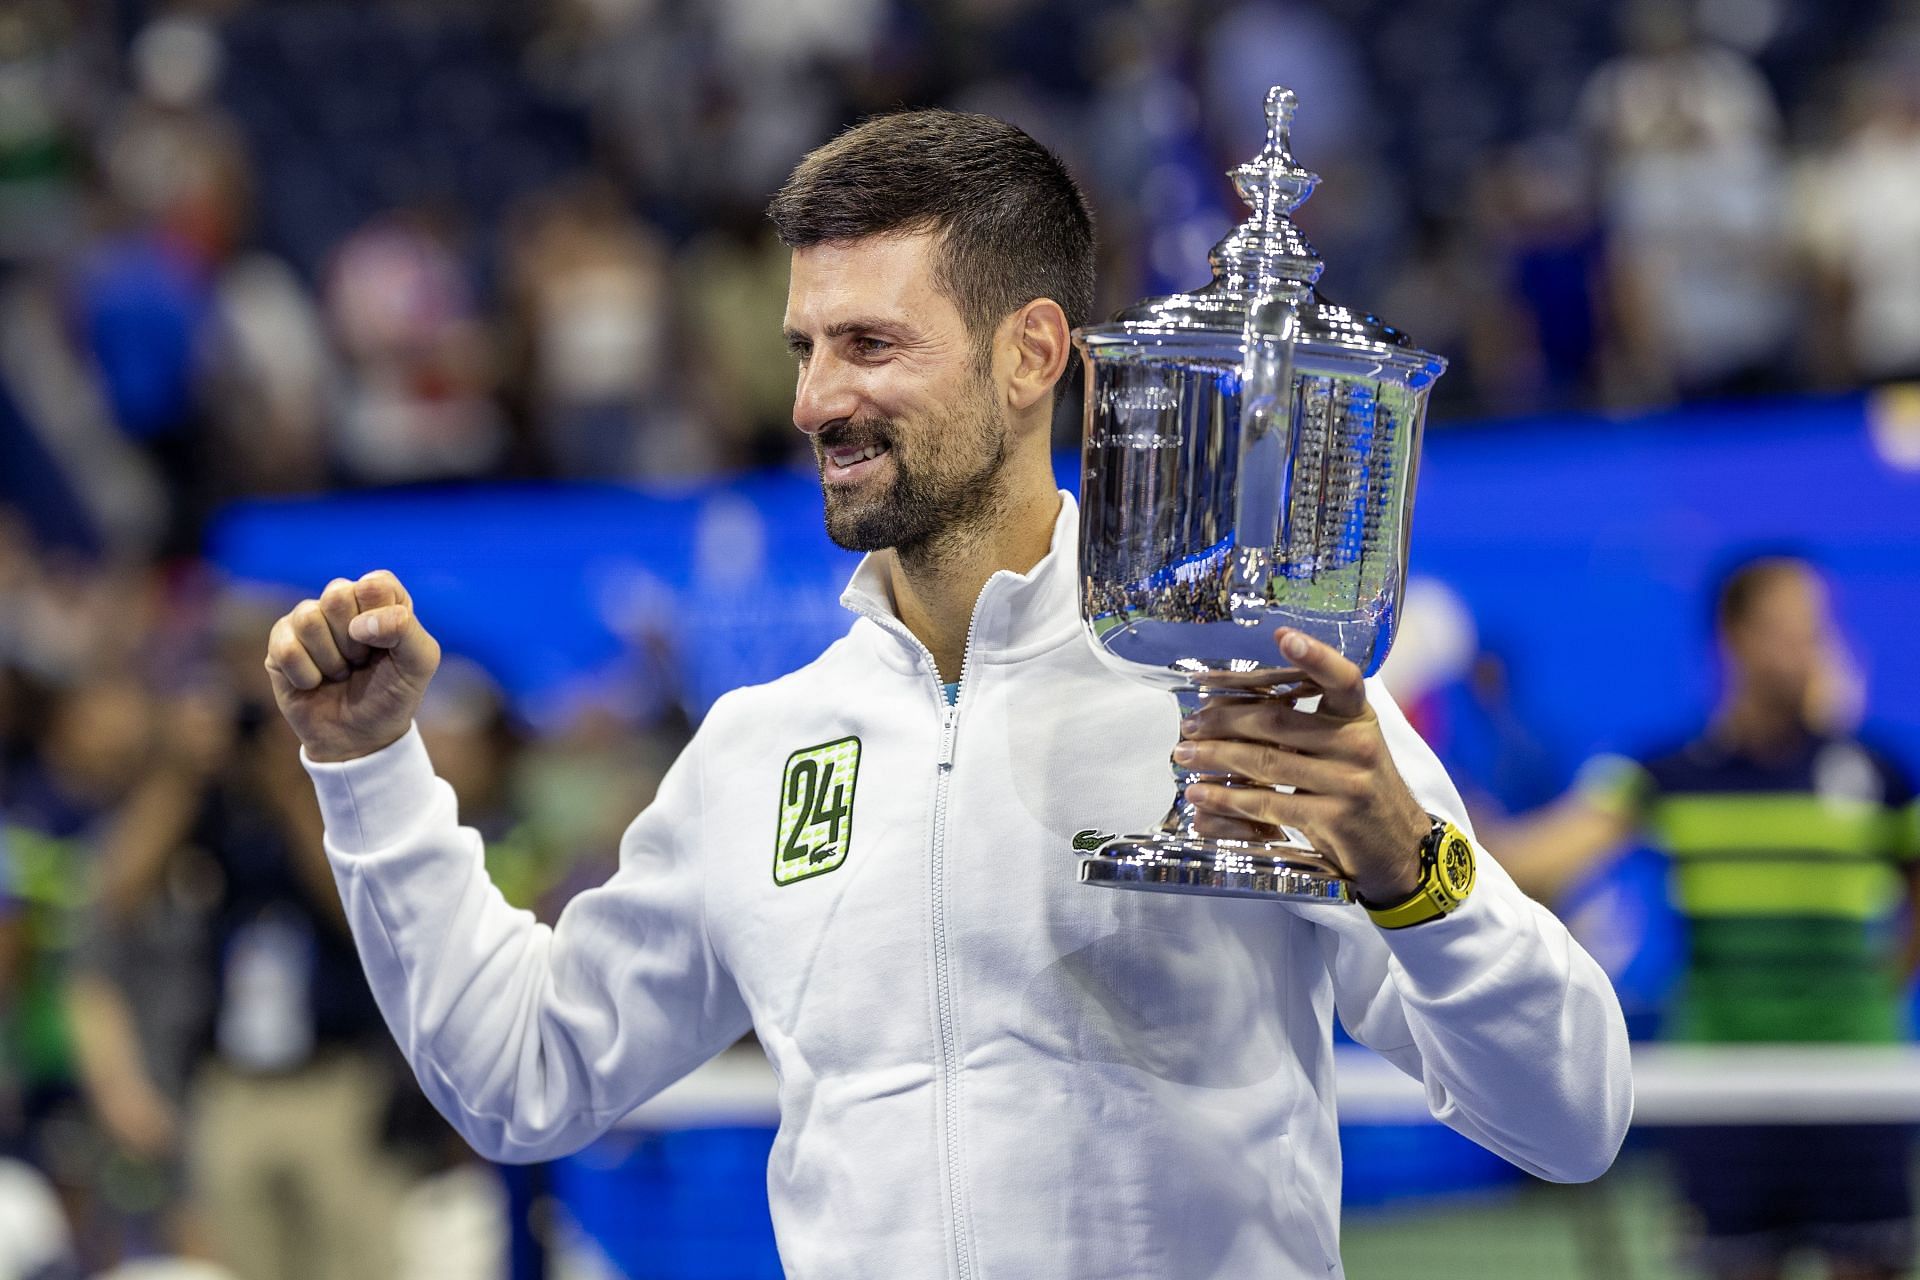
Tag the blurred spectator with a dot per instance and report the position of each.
(230, 1034)
(173, 159)
(57, 803)
(420, 360)
(266, 374)
(48, 83)
(1793, 848)
(1688, 139)
(593, 300)
(173, 204)
(730, 280)
(1550, 261)
(78, 480)
(1862, 219)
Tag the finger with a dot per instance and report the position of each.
(1263, 680)
(338, 605)
(1270, 720)
(311, 630)
(283, 688)
(1271, 766)
(1218, 828)
(1306, 813)
(288, 662)
(394, 627)
(1342, 685)
(378, 588)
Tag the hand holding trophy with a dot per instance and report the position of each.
(1249, 464)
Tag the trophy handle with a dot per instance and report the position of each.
(1266, 446)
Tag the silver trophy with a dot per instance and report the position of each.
(1249, 464)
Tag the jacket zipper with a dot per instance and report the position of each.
(943, 985)
(944, 1017)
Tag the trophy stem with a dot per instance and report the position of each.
(1176, 858)
(1180, 819)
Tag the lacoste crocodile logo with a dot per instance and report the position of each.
(1090, 839)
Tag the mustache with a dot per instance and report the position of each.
(854, 435)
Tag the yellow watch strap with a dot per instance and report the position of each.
(1436, 895)
(1418, 909)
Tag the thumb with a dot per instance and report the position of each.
(394, 627)
(386, 621)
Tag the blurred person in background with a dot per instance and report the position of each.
(232, 1048)
(58, 801)
(593, 316)
(138, 997)
(49, 64)
(1860, 211)
(420, 358)
(1539, 342)
(1793, 847)
(1688, 145)
(727, 278)
(170, 205)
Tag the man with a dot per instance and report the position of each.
(985, 1068)
(1790, 846)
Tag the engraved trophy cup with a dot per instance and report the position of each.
(1249, 464)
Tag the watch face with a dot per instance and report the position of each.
(1456, 865)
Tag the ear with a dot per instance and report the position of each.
(1036, 340)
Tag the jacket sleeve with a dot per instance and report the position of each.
(1510, 1025)
(530, 1040)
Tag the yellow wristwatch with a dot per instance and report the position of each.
(1446, 878)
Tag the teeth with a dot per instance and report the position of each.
(871, 451)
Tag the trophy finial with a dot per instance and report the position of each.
(1267, 249)
(1280, 104)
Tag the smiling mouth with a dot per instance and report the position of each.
(852, 461)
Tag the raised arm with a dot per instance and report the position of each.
(530, 1040)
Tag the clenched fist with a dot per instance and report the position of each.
(350, 668)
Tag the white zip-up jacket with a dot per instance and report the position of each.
(987, 1071)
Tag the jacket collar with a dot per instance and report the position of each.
(1017, 615)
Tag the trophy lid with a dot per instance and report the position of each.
(1267, 256)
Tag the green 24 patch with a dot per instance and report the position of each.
(816, 810)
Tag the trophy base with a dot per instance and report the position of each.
(1214, 868)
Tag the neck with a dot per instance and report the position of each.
(936, 584)
(1759, 726)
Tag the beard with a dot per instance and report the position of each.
(945, 482)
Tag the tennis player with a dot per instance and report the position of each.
(985, 1069)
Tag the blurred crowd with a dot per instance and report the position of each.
(274, 247)
(188, 1049)
(250, 249)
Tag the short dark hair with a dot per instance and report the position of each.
(1742, 582)
(1012, 224)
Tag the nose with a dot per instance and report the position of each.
(823, 395)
